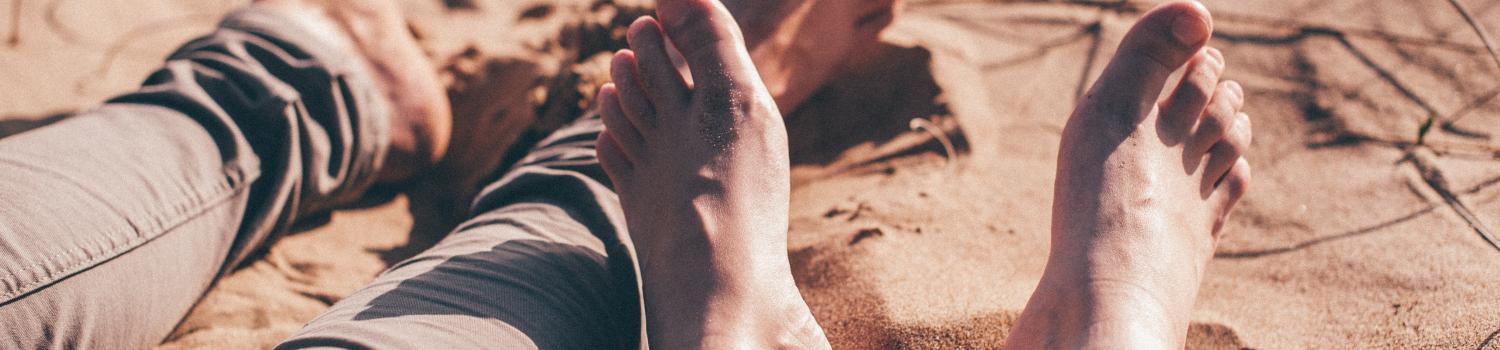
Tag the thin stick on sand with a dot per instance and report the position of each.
(1478, 29)
(1431, 174)
(922, 124)
(1489, 44)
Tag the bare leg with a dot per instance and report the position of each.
(702, 173)
(1141, 193)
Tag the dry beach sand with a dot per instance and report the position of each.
(1354, 236)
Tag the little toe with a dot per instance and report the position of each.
(1160, 43)
(1185, 105)
(1230, 191)
(626, 136)
(632, 95)
(613, 159)
(663, 83)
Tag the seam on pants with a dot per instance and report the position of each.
(235, 178)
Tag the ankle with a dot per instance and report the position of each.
(737, 319)
(783, 323)
(733, 300)
(1131, 312)
(1089, 305)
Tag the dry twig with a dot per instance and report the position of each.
(1478, 29)
(922, 124)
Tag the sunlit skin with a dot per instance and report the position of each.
(1142, 191)
(703, 175)
(700, 165)
(698, 154)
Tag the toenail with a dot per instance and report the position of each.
(1189, 29)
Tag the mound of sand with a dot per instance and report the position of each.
(1354, 234)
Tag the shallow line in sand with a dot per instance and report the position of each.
(1251, 254)
(1487, 340)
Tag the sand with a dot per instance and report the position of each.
(1353, 236)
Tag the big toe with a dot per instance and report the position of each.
(1160, 43)
(708, 38)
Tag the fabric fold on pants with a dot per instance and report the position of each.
(115, 221)
(544, 262)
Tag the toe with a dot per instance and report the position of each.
(1230, 190)
(1160, 43)
(1185, 105)
(629, 91)
(627, 137)
(613, 159)
(708, 38)
(1224, 154)
(1217, 120)
(660, 78)
(1166, 37)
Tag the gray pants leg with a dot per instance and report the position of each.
(115, 221)
(542, 264)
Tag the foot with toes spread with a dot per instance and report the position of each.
(703, 174)
(1142, 191)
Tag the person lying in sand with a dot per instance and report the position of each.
(702, 173)
(114, 221)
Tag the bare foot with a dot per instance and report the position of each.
(703, 175)
(1142, 190)
(798, 45)
(375, 30)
